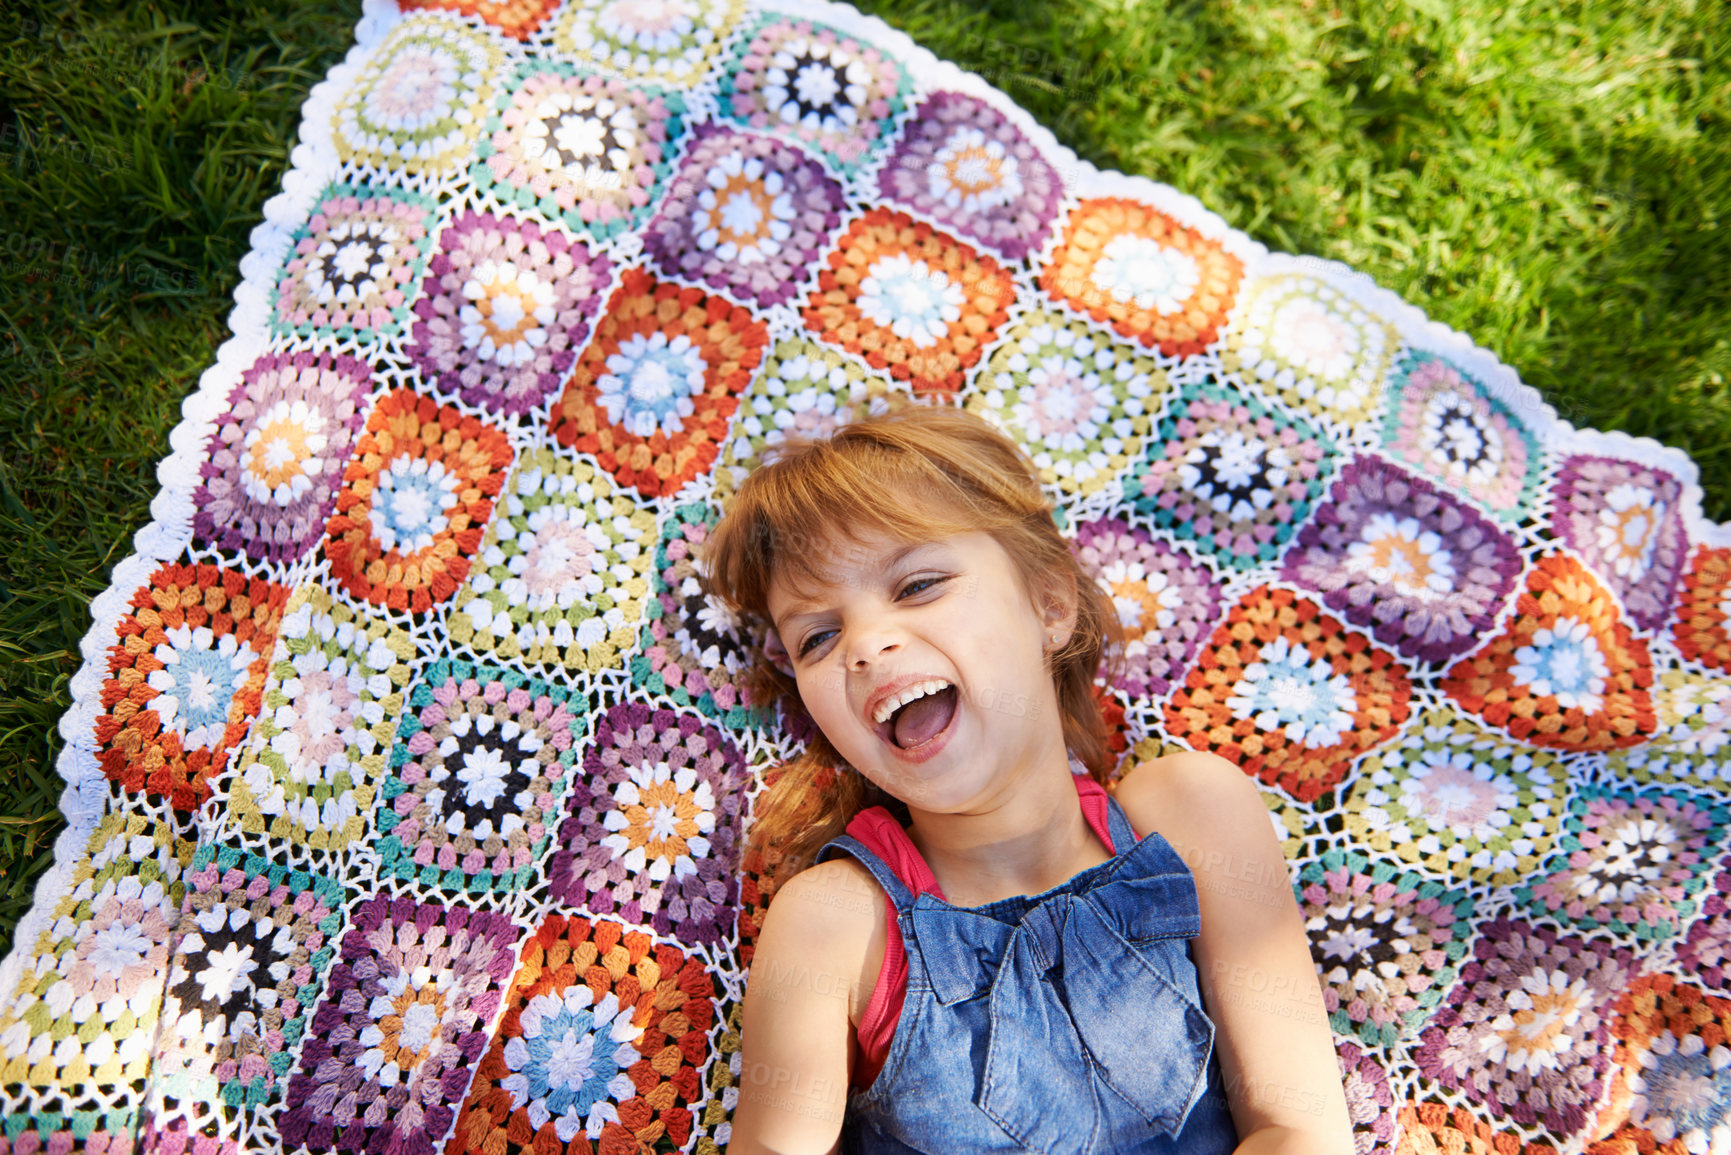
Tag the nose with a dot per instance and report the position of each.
(870, 645)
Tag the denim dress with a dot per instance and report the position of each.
(1063, 1022)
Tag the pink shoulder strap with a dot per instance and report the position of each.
(883, 836)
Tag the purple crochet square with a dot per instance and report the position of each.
(964, 164)
(477, 772)
(1525, 1030)
(403, 1022)
(1166, 602)
(254, 934)
(164, 1136)
(1624, 520)
(1398, 555)
(352, 269)
(1387, 943)
(507, 306)
(275, 462)
(1369, 1100)
(748, 215)
(653, 832)
(1706, 954)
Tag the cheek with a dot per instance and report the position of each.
(1019, 664)
(1015, 635)
(821, 694)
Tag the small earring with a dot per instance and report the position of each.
(1054, 639)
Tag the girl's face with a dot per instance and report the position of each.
(924, 665)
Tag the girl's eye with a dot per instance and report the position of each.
(920, 585)
(812, 641)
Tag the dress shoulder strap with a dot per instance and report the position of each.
(901, 898)
(1102, 811)
(1123, 836)
(880, 844)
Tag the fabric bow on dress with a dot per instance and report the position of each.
(1072, 1000)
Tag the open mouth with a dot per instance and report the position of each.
(916, 715)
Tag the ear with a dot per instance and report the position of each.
(776, 652)
(1056, 601)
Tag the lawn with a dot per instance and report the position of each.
(1547, 178)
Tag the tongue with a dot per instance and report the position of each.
(924, 717)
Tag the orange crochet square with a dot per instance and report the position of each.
(1702, 628)
(652, 394)
(517, 19)
(1565, 672)
(1290, 694)
(578, 978)
(416, 498)
(1130, 266)
(185, 677)
(910, 300)
(1668, 1033)
(1434, 1129)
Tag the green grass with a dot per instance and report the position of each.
(1549, 179)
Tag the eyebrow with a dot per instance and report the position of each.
(806, 605)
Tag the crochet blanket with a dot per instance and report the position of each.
(408, 769)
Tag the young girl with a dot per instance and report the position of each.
(984, 950)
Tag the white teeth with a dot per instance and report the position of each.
(919, 690)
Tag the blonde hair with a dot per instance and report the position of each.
(954, 474)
